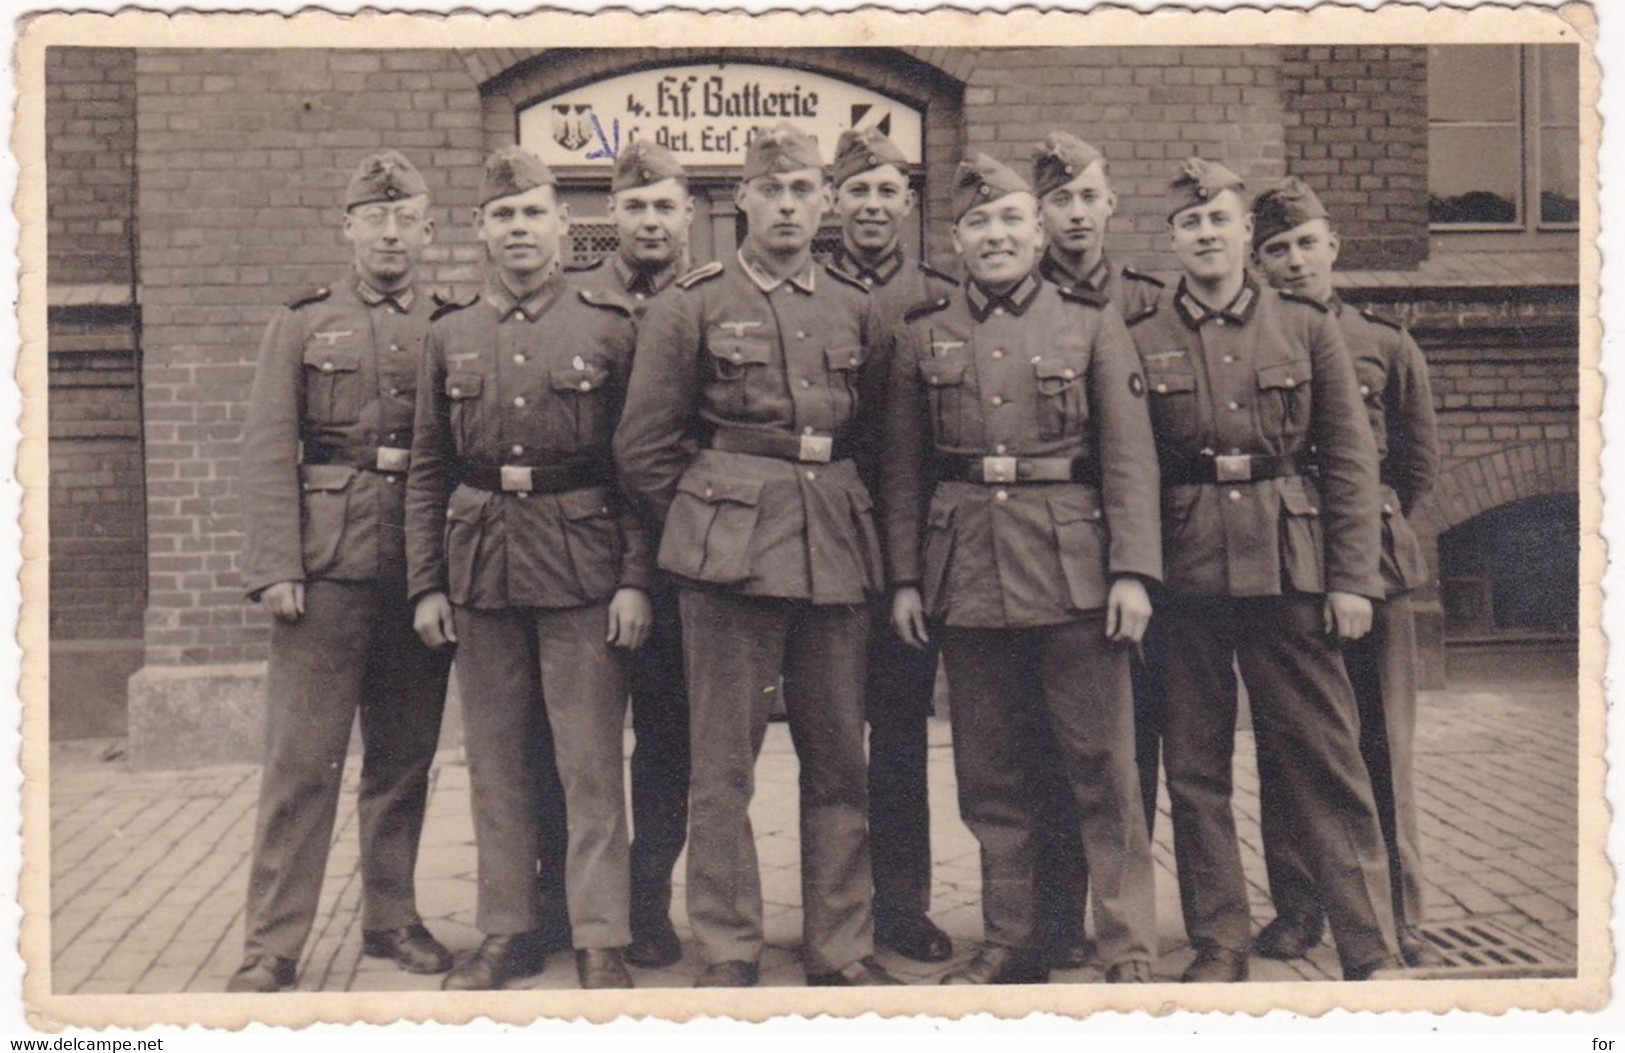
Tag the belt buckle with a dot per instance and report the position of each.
(998, 469)
(1233, 468)
(393, 459)
(515, 479)
(816, 448)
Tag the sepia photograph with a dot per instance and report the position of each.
(989, 507)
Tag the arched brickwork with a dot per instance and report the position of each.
(929, 79)
(1469, 487)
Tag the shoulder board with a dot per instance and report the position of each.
(608, 303)
(1083, 296)
(1310, 300)
(309, 296)
(846, 279)
(932, 272)
(454, 305)
(920, 310)
(580, 268)
(703, 273)
(1139, 276)
(1141, 315)
(441, 295)
(1381, 319)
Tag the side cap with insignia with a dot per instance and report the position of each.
(703, 273)
(1199, 182)
(309, 296)
(383, 176)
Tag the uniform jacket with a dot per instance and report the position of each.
(1043, 374)
(1393, 378)
(535, 384)
(613, 276)
(1129, 290)
(337, 368)
(720, 350)
(1268, 375)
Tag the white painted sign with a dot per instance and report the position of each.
(707, 114)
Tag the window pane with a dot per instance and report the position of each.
(1560, 84)
(1473, 82)
(1559, 175)
(1473, 175)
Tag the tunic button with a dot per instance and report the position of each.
(1365, 389)
(1235, 405)
(852, 360)
(519, 400)
(1068, 374)
(868, 281)
(806, 383)
(710, 492)
(997, 353)
(998, 400)
(1001, 495)
(808, 430)
(998, 310)
(1037, 359)
(638, 295)
(394, 347)
(738, 357)
(936, 380)
(1289, 382)
(1387, 509)
(456, 392)
(1235, 495)
(586, 385)
(811, 474)
(1162, 389)
(519, 359)
(394, 391)
(1228, 359)
(999, 449)
(390, 479)
(517, 449)
(327, 367)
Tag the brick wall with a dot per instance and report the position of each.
(1356, 130)
(90, 161)
(243, 159)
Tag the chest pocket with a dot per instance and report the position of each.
(1284, 399)
(333, 385)
(945, 389)
(1063, 403)
(463, 391)
(582, 393)
(740, 367)
(1173, 407)
(842, 368)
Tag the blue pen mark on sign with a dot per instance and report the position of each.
(609, 151)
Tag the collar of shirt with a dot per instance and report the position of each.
(887, 268)
(1055, 269)
(1193, 312)
(640, 280)
(1015, 300)
(401, 298)
(532, 307)
(767, 283)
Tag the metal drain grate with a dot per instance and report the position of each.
(1482, 948)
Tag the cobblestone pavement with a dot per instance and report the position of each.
(149, 870)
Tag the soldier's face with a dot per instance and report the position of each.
(873, 205)
(1300, 260)
(999, 241)
(653, 221)
(522, 231)
(1075, 213)
(783, 211)
(1211, 239)
(389, 236)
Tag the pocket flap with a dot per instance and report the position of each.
(1285, 375)
(939, 372)
(715, 489)
(590, 503)
(325, 478)
(1300, 502)
(1072, 506)
(741, 351)
(332, 359)
(1164, 383)
(941, 515)
(464, 385)
(1061, 367)
(843, 359)
(590, 377)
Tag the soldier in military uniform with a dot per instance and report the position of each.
(1076, 203)
(1296, 249)
(873, 198)
(325, 451)
(1025, 406)
(652, 209)
(1265, 569)
(521, 552)
(769, 533)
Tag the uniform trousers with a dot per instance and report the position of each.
(353, 649)
(1013, 693)
(1306, 726)
(898, 696)
(736, 648)
(520, 669)
(1382, 669)
(659, 762)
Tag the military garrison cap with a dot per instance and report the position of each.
(1282, 207)
(1199, 182)
(982, 179)
(383, 176)
(783, 148)
(1059, 159)
(513, 170)
(861, 149)
(644, 163)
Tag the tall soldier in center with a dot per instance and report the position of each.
(1025, 408)
(520, 550)
(759, 360)
(873, 198)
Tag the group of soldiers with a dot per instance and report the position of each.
(780, 482)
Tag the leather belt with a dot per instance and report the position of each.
(389, 460)
(812, 449)
(1020, 469)
(527, 479)
(1228, 468)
